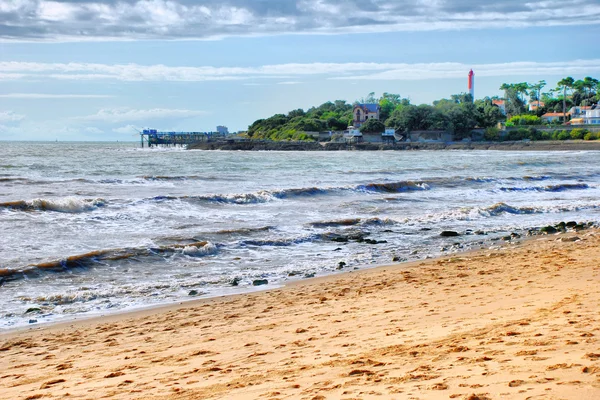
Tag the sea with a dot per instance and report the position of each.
(91, 229)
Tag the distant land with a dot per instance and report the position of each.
(524, 112)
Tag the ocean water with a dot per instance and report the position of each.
(95, 228)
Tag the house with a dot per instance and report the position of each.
(553, 117)
(535, 105)
(579, 111)
(501, 104)
(364, 112)
(592, 116)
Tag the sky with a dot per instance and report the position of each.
(104, 69)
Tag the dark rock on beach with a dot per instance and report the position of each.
(449, 233)
(548, 229)
(260, 282)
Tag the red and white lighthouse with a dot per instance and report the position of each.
(472, 84)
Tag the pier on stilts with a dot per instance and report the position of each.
(153, 137)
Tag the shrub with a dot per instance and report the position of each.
(525, 119)
(578, 133)
(590, 136)
(544, 135)
(492, 134)
(517, 134)
(563, 135)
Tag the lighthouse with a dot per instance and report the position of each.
(472, 84)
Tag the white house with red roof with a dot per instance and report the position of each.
(501, 104)
(553, 117)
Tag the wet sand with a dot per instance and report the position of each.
(520, 322)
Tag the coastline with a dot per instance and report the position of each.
(487, 323)
(568, 145)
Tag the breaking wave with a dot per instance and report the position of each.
(352, 222)
(500, 208)
(548, 188)
(66, 205)
(393, 187)
(105, 257)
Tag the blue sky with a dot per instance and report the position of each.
(100, 69)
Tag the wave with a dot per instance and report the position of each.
(243, 231)
(66, 205)
(341, 222)
(500, 208)
(11, 179)
(352, 222)
(548, 188)
(393, 187)
(302, 192)
(168, 178)
(280, 242)
(106, 257)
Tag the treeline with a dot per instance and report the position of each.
(568, 93)
(334, 116)
(458, 115)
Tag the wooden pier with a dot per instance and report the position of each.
(152, 137)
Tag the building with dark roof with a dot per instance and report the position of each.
(364, 112)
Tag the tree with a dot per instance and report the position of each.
(488, 114)
(409, 117)
(296, 113)
(373, 126)
(514, 104)
(370, 99)
(563, 85)
(537, 88)
(388, 102)
(591, 84)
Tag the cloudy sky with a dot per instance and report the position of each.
(100, 69)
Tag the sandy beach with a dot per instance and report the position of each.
(517, 322)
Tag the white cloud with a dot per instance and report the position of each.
(52, 96)
(10, 116)
(78, 20)
(128, 129)
(118, 115)
(357, 71)
(289, 83)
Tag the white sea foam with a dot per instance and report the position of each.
(67, 204)
(198, 251)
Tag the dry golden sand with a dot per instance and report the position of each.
(522, 322)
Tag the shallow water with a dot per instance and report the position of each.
(98, 227)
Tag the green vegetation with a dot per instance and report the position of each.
(524, 119)
(459, 114)
(330, 116)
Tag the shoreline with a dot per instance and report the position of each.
(487, 323)
(70, 320)
(568, 145)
